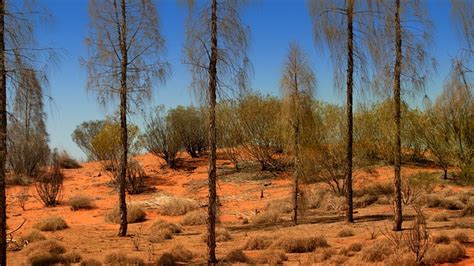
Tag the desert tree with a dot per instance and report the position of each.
(216, 52)
(404, 26)
(462, 11)
(125, 63)
(84, 133)
(342, 26)
(297, 83)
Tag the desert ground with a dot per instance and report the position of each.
(245, 197)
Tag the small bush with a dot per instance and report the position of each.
(32, 236)
(346, 232)
(51, 223)
(181, 254)
(41, 258)
(118, 258)
(160, 224)
(441, 239)
(445, 254)
(377, 251)
(66, 161)
(90, 262)
(300, 244)
(178, 206)
(279, 206)
(160, 235)
(365, 201)
(461, 237)
(439, 217)
(236, 256)
(72, 257)
(266, 217)
(338, 259)
(136, 177)
(401, 257)
(166, 260)
(135, 214)
(79, 202)
(258, 242)
(272, 257)
(448, 203)
(468, 210)
(49, 186)
(324, 254)
(196, 217)
(48, 246)
(222, 235)
(355, 247)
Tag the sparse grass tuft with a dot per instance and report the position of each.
(259, 242)
(441, 239)
(135, 214)
(79, 202)
(197, 217)
(160, 224)
(461, 237)
(439, 254)
(355, 247)
(51, 223)
(439, 217)
(346, 232)
(181, 254)
(160, 235)
(236, 256)
(272, 257)
(266, 217)
(32, 236)
(377, 251)
(72, 257)
(300, 244)
(178, 206)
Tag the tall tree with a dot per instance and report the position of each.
(125, 61)
(216, 51)
(297, 84)
(342, 26)
(404, 26)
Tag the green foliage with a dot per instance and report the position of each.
(85, 133)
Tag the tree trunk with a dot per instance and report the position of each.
(396, 95)
(123, 122)
(212, 207)
(350, 73)
(3, 139)
(296, 173)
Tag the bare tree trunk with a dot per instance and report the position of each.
(396, 94)
(123, 122)
(350, 72)
(212, 207)
(296, 132)
(3, 139)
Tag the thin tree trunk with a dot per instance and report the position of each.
(396, 94)
(350, 72)
(123, 122)
(212, 207)
(3, 139)
(296, 132)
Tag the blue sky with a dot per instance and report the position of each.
(273, 24)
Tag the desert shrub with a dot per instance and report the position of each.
(300, 244)
(21, 197)
(49, 185)
(236, 256)
(354, 247)
(197, 217)
(401, 257)
(259, 242)
(66, 161)
(222, 235)
(18, 180)
(32, 236)
(118, 258)
(445, 254)
(135, 214)
(40, 258)
(377, 251)
(160, 224)
(338, 259)
(78, 202)
(365, 200)
(279, 206)
(346, 232)
(266, 217)
(160, 235)
(314, 199)
(178, 206)
(72, 257)
(49, 246)
(378, 189)
(85, 133)
(181, 254)
(441, 239)
(461, 237)
(166, 259)
(439, 217)
(90, 262)
(448, 203)
(136, 177)
(323, 254)
(51, 223)
(272, 257)
(468, 210)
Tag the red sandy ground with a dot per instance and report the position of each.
(91, 236)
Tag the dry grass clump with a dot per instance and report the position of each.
(49, 246)
(445, 254)
(401, 257)
(323, 254)
(178, 206)
(236, 256)
(181, 254)
(50, 252)
(81, 202)
(40, 258)
(365, 200)
(91, 262)
(439, 217)
(197, 217)
(461, 237)
(72, 257)
(338, 259)
(377, 251)
(279, 206)
(135, 214)
(118, 258)
(160, 224)
(166, 259)
(272, 257)
(266, 217)
(51, 223)
(32, 236)
(355, 247)
(441, 239)
(259, 242)
(300, 244)
(160, 235)
(346, 232)
(448, 203)
(468, 210)
(222, 235)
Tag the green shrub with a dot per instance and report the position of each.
(78, 202)
(135, 214)
(51, 223)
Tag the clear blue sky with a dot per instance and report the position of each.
(273, 24)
